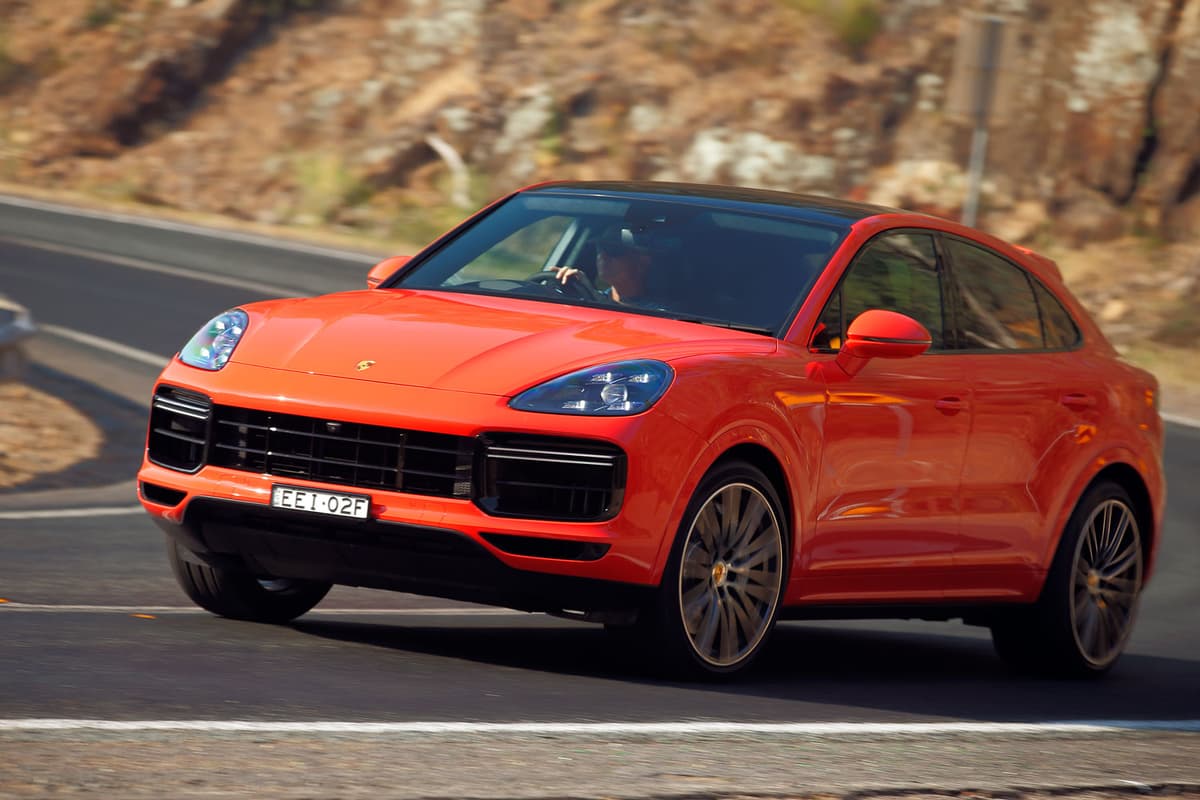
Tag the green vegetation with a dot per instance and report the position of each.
(1180, 326)
(855, 22)
(419, 221)
(100, 13)
(550, 144)
(325, 186)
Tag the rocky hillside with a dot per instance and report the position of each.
(303, 110)
(356, 113)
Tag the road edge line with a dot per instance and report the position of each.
(185, 273)
(426, 728)
(194, 229)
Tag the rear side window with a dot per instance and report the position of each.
(897, 272)
(995, 301)
(1059, 328)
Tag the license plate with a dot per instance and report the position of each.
(334, 504)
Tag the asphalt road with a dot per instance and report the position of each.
(95, 627)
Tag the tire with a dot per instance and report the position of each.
(720, 594)
(1085, 614)
(242, 595)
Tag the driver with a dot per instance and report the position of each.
(623, 266)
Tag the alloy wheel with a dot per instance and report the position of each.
(1105, 582)
(731, 573)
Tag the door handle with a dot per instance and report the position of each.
(950, 405)
(1078, 401)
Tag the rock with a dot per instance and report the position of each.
(1089, 216)
(929, 185)
(526, 122)
(750, 158)
(1020, 224)
(1173, 176)
(1114, 310)
(645, 119)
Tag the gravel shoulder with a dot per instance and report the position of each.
(195, 765)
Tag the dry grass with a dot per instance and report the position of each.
(40, 435)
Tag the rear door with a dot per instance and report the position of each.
(895, 434)
(1030, 399)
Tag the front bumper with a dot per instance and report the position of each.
(430, 545)
(424, 560)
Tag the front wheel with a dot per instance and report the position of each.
(1084, 617)
(720, 592)
(241, 595)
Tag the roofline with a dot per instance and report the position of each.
(847, 210)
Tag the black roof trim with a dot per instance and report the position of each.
(817, 204)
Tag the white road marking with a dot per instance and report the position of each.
(46, 608)
(1179, 419)
(72, 513)
(161, 269)
(196, 230)
(813, 729)
(116, 348)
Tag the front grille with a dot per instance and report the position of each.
(345, 453)
(507, 475)
(545, 478)
(178, 429)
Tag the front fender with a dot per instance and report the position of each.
(783, 416)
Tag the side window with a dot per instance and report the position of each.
(1058, 327)
(898, 272)
(996, 307)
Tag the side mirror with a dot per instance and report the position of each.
(881, 334)
(384, 269)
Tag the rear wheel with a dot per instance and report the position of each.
(721, 590)
(1084, 617)
(242, 595)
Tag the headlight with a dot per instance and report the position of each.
(213, 344)
(609, 390)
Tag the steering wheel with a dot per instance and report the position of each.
(580, 285)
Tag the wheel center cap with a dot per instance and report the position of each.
(719, 571)
(1093, 581)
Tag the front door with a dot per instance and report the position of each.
(895, 434)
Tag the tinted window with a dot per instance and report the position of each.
(996, 307)
(1057, 325)
(898, 272)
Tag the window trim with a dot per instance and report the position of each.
(1031, 280)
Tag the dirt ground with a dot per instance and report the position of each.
(41, 434)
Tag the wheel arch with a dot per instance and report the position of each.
(1129, 479)
(1125, 475)
(766, 461)
(757, 449)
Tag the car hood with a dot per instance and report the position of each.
(460, 342)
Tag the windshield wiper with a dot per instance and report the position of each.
(721, 323)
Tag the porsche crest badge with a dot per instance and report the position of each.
(365, 364)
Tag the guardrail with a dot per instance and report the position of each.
(16, 326)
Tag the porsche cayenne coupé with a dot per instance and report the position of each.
(681, 411)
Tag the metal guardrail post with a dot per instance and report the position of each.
(16, 326)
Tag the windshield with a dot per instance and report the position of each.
(645, 254)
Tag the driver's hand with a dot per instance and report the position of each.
(565, 275)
